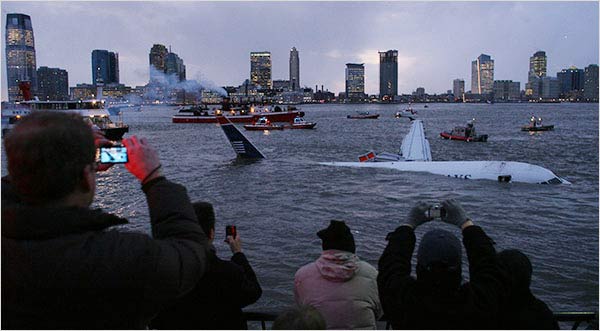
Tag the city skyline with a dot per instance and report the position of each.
(436, 41)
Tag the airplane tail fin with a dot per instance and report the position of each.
(415, 146)
(241, 145)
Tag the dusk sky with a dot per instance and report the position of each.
(436, 41)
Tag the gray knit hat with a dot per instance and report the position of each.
(439, 247)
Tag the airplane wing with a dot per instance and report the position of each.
(415, 146)
(241, 145)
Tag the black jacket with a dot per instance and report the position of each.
(410, 304)
(523, 311)
(63, 268)
(217, 300)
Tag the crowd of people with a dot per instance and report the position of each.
(65, 266)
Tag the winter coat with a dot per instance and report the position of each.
(342, 288)
(64, 268)
(217, 301)
(409, 303)
(523, 311)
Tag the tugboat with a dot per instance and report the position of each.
(466, 134)
(536, 125)
(262, 123)
(300, 123)
(361, 115)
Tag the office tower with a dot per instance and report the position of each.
(571, 80)
(482, 75)
(590, 85)
(458, 88)
(507, 90)
(294, 70)
(388, 74)
(550, 88)
(53, 84)
(157, 57)
(174, 66)
(260, 69)
(355, 81)
(105, 67)
(537, 65)
(20, 55)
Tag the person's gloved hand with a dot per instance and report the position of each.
(455, 214)
(417, 215)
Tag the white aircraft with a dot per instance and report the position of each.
(415, 155)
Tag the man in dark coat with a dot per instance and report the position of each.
(217, 301)
(436, 299)
(63, 267)
(522, 310)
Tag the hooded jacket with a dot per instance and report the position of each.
(65, 268)
(342, 288)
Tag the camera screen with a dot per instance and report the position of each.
(113, 155)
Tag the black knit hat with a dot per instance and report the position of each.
(337, 236)
(439, 247)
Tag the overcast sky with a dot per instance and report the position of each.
(436, 41)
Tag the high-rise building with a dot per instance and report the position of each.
(355, 81)
(590, 85)
(20, 55)
(538, 64)
(388, 74)
(571, 80)
(550, 88)
(294, 70)
(174, 66)
(105, 67)
(260, 69)
(53, 84)
(458, 88)
(157, 57)
(482, 75)
(507, 90)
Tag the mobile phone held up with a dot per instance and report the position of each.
(230, 231)
(115, 154)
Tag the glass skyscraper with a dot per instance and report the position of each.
(537, 65)
(260, 69)
(20, 55)
(105, 66)
(482, 75)
(590, 90)
(388, 74)
(294, 70)
(355, 81)
(53, 84)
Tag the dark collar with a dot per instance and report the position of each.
(23, 222)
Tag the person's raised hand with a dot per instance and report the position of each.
(417, 215)
(455, 214)
(235, 244)
(143, 161)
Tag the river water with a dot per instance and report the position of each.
(279, 203)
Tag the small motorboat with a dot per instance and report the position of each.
(300, 123)
(538, 128)
(463, 134)
(363, 115)
(262, 123)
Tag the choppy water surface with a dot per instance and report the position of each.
(281, 202)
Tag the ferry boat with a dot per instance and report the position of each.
(92, 112)
(261, 124)
(363, 115)
(300, 123)
(11, 114)
(201, 114)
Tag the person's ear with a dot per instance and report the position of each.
(88, 180)
(211, 234)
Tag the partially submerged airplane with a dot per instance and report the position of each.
(415, 155)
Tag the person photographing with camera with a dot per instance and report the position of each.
(216, 302)
(436, 299)
(64, 266)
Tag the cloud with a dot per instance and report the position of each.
(334, 54)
